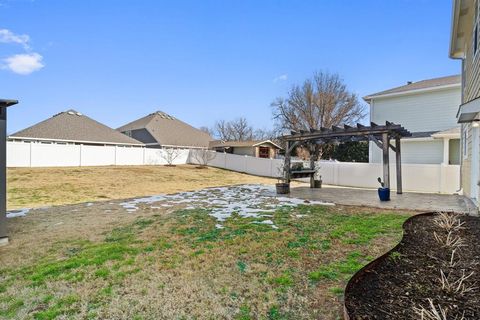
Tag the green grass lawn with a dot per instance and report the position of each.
(178, 265)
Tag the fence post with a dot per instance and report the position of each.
(30, 160)
(80, 153)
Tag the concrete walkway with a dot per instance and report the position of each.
(369, 198)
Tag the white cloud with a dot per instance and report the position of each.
(7, 36)
(282, 77)
(24, 63)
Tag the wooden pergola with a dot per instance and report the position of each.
(381, 135)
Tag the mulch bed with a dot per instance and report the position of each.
(399, 284)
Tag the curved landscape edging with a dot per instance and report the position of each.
(359, 275)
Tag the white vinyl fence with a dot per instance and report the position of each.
(416, 177)
(21, 154)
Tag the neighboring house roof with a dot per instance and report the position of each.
(422, 134)
(72, 126)
(450, 133)
(169, 131)
(424, 85)
(249, 143)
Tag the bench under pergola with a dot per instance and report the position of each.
(381, 135)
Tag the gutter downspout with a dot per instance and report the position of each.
(460, 178)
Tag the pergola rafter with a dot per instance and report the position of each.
(381, 135)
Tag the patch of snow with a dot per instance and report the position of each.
(248, 201)
(17, 213)
(219, 226)
(89, 204)
(269, 222)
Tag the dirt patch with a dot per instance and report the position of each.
(429, 272)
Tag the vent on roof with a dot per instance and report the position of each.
(163, 115)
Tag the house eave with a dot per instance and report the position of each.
(267, 141)
(74, 141)
(462, 12)
(369, 98)
(7, 102)
(469, 111)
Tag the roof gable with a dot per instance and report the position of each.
(73, 126)
(248, 143)
(169, 131)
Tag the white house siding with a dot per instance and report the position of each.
(471, 91)
(418, 112)
(420, 152)
(430, 111)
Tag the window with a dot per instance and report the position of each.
(128, 133)
(264, 152)
(475, 40)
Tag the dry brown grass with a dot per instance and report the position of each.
(175, 264)
(37, 187)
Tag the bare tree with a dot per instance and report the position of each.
(262, 134)
(206, 130)
(235, 130)
(241, 130)
(322, 101)
(221, 130)
(203, 157)
(169, 155)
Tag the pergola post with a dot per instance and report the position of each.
(398, 159)
(386, 162)
(313, 158)
(3, 169)
(286, 168)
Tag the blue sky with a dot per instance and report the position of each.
(203, 61)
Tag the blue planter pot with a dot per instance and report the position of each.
(384, 194)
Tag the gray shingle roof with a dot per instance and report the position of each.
(167, 130)
(424, 84)
(73, 126)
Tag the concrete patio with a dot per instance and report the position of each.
(369, 198)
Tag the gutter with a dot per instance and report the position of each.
(76, 141)
(407, 92)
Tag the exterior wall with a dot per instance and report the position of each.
(421, 112)
(420, 151)
(471, 91)
(141, 135)
(244, 151)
